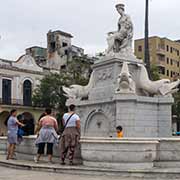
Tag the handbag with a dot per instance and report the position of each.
(65, 125)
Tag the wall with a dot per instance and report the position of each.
(27, 150)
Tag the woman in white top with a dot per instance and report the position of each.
(71, 134)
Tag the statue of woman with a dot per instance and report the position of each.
(122, 38)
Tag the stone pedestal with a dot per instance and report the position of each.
(139, 116)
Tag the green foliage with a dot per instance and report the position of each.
(49, 93)
(79, 69)
(154, 72)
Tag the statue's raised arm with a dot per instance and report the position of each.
(120, 41)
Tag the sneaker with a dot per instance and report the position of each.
(63, 163)
(35, 159)
(71, 163)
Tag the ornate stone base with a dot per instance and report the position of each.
(139, 116)
(119, 154)
(130, 153)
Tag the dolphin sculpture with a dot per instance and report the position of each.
(159, 87)
(76, 91)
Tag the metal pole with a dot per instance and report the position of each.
(146, 39)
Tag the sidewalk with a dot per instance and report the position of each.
(166, 173)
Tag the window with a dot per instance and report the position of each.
(177, 64)
(171, 62)
(167, 48)
(171, 73)
(63, 67)
(27, 93)
(167, 72)
(177, 52)
(66, 52)
(171, 50)
(167, 60)
(161, 58)
(64, 44)
(52, 47)
(140, 48)
(6, 91)
(162, 70)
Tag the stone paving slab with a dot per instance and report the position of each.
(164, 173)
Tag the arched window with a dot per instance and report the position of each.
(6, 91)
(27, 93)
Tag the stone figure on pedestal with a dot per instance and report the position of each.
(121, 40)
(132, 80)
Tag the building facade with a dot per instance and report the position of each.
(18, 79)
(164, 53)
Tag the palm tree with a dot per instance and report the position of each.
(146, 39)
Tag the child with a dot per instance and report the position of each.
(119, 131)
(20, 132)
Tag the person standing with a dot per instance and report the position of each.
(12, 126)
(70, 135)
(47, 135)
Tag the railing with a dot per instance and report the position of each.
(14, 102)
(160, 51)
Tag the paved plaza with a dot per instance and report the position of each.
(15, 174)
(28, 170)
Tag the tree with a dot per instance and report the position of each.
(50, 94)
(154, 72)
(80, 69)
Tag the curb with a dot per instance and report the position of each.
(165, 173)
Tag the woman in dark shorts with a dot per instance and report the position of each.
(47, 135)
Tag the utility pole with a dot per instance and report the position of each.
(146, 39)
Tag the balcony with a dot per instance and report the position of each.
(161, 64)
(17, 102)
(161, 60)
(161, 51)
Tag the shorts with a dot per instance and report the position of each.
(41, 147)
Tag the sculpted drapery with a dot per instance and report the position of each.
(122, 38)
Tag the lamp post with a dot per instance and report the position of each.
(146, 39)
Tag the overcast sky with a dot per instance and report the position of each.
(24, 23)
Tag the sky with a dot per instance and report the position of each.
(25, 23)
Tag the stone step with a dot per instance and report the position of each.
(164, 173)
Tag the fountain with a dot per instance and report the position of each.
(120, 93)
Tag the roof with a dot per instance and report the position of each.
(164, 38)
(149, 38)
(62, 33)
(35, 47)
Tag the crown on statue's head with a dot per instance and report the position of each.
(120, 6)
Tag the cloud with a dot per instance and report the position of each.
(25, 23)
